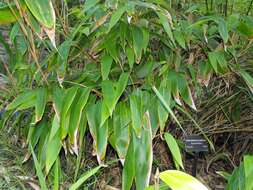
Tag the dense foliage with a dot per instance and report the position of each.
(120, 71)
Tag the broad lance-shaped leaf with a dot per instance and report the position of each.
(63, 54)
(246, 27)
(43, 11)
(213, 60)
(99, 133)
(222, 28)
(248, 79)
(143, 154)
(112, 91)
(128, 173)
(41, 100)
(185, 91)
(172, 84)
(34, 134)
(218, 61)
(76, 111)
(57, 97)
(67, 101)
(121, 120)
(139, 158)
(174, 149)
(162, 112)
(89, 4)
(166, 25)
(136, 107)
(178, 180)
(137, 42)
(116, 16)
(6, 14)
(53, 147)
(248, 170)
(130, 56)
(106, 62)
(145, 34)
(166, 106)
(23, 98)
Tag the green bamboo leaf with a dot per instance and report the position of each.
(166, 25)
(121, 120)
(55, 127)
(43, 11)
(145, 34)
(130, 56)
(28, 104)
(222, 28)
(76, 112)
(248, 170)
(137, 42)
(248, 79)
(52, 150)
(89, 4)
(162, 112)
(39, 172)
(116, 16)
(84, 177)
(212, 56)
(99, 133)
(111, 93)
(167, 107)
(120, 87)
(62, 59)
(128, 173)
(35, 133)
(174, 149)
(143, 154)
(180, 39)
(6, 14)
(56, 174)
(81, 143)
(108, 90)
(246, 27)
(23, 98)
(136, 106)
(106, 63)
(41, 100)
(185, 91)
(57, 97)
(67, 101)
(178, 180)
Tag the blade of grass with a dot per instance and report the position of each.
(84, 177)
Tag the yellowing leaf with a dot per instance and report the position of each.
(178, 180)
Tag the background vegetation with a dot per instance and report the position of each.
(101, 94)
